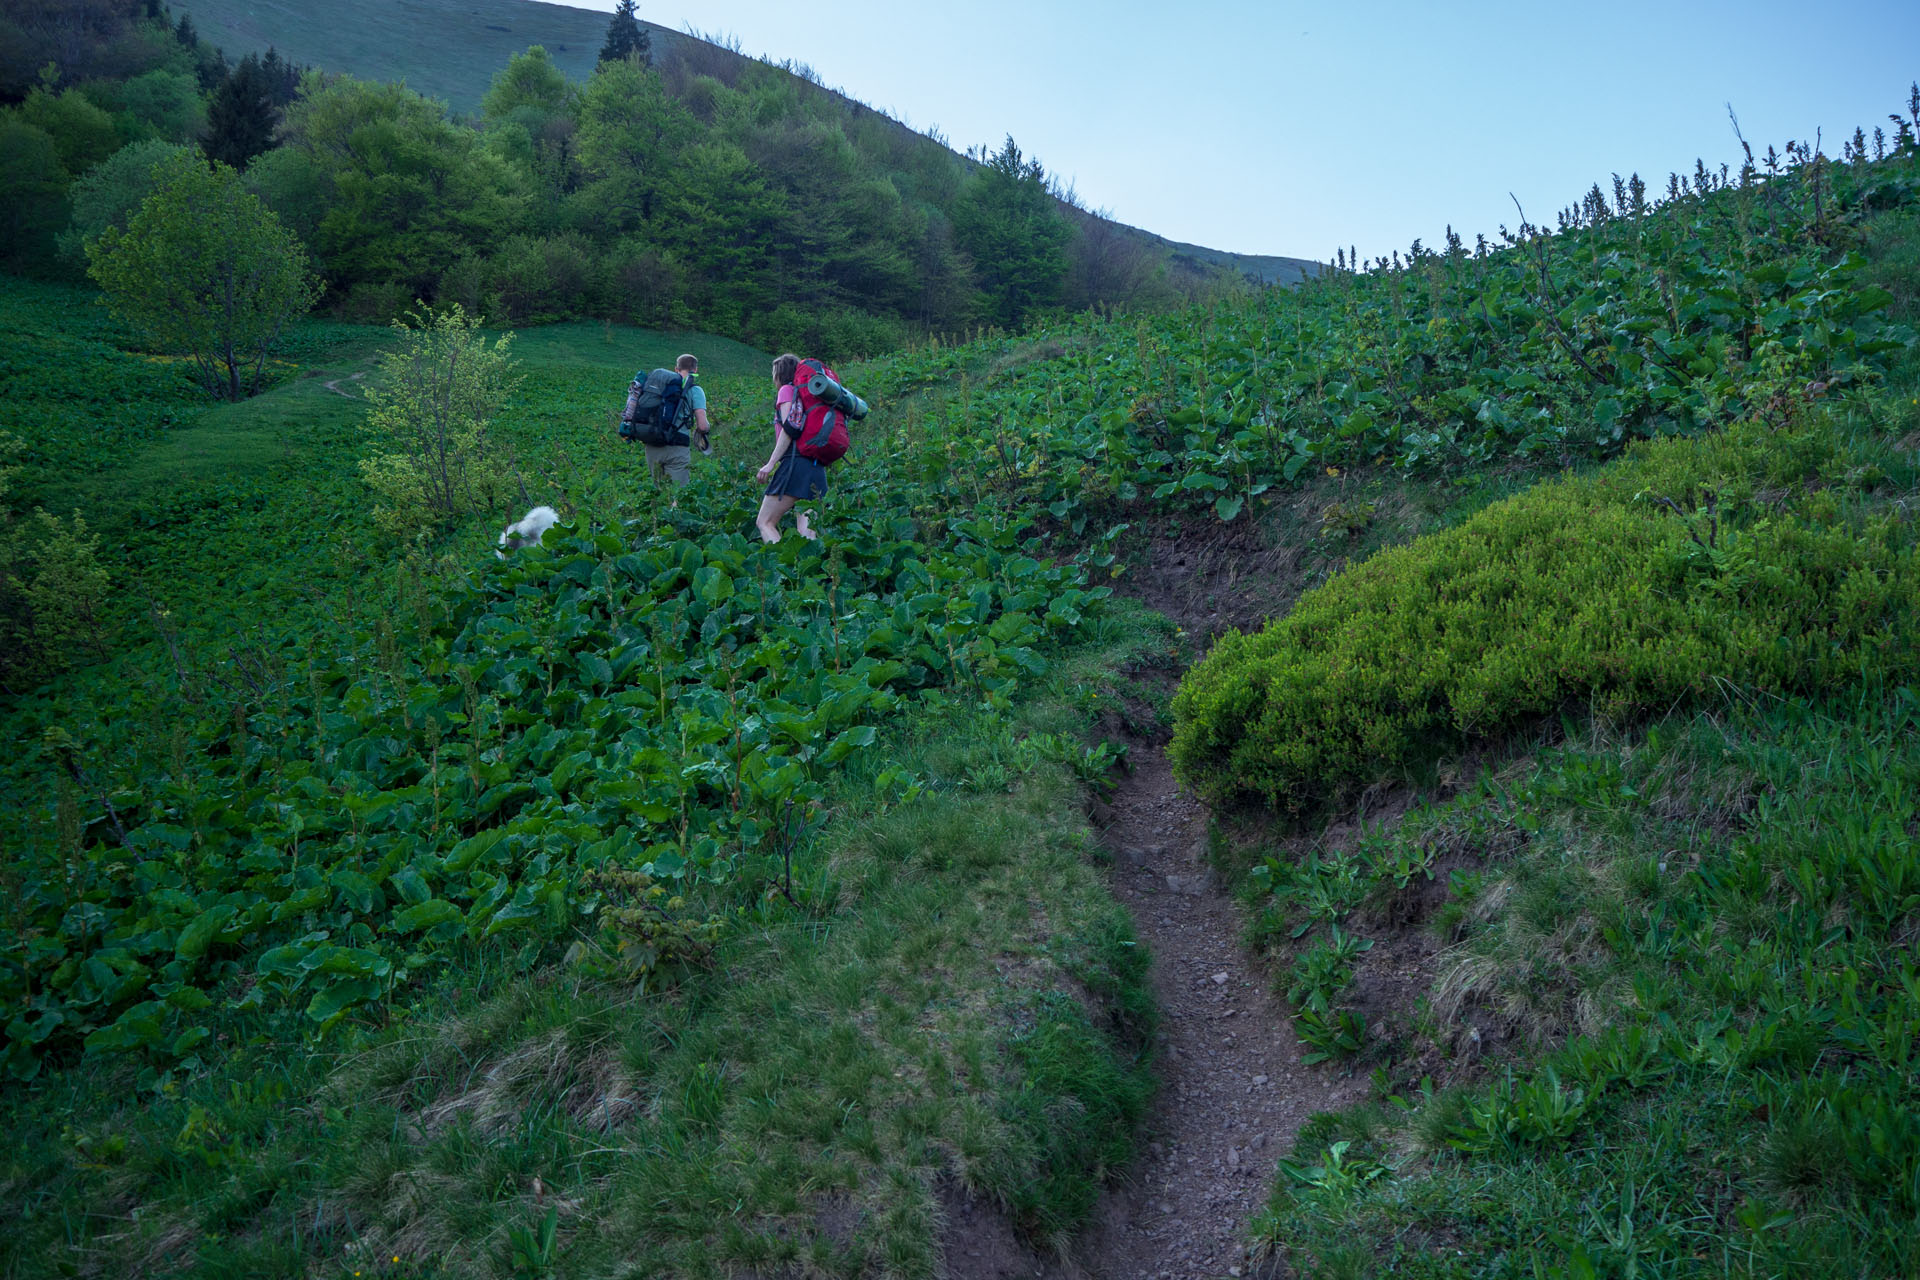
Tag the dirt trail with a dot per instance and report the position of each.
(1233, 1091)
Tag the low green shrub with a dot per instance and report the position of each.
(52, 588)
(1627, 591)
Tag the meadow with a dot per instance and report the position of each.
(655, 902)
(423, 779)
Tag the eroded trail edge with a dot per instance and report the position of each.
(1233, 1090)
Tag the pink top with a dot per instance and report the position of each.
(784, 404)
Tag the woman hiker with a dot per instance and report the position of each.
(792, 477)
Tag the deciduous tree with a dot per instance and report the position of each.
(409, 191)
(206, 270)
(83, 133)
(112, 192)
(433, 402)
(531, 114)
(632, 136)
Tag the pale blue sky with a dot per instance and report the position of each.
(1291, 128)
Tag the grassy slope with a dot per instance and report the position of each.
(473, 39)
(242, 1181)
(1657, 1012)
(958, 1012)
(188, 494)
(814, 1099)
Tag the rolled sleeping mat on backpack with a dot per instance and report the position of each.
(821, 387)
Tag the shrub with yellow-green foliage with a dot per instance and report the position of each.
(434, 403)
(1589, 591)
(52, 589)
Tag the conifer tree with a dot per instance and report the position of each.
(1008, 224)
(242, 117)
(626, 38)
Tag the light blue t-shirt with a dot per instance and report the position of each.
(697, 397)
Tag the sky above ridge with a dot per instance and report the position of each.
(1292, 128)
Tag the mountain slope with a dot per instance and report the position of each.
(447, 49)
(451, 49)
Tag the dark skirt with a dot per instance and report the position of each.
(798, 477)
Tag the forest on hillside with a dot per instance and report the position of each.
(709, 191)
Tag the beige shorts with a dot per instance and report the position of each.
(671, 462)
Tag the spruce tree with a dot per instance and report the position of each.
(626, 38)
(1010, 226)
(242, 116)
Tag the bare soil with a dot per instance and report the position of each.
(1233, 1090)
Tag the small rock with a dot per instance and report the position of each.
(1191, 886)
(1233, 1271)
(1259, 1079)
(1165, 1207)
(1219, 979)
(1233, 1157)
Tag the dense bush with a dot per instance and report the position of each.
(1587, 591)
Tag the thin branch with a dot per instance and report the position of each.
(1546, 302)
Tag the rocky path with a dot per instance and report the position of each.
(1233, 1091)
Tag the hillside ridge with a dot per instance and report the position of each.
(382, 42)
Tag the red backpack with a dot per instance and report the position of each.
(823, 428)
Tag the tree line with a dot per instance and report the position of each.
(711, 191)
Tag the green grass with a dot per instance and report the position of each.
(1669, 1027)
(811, 1095)
(442, 49)
(1696, 1068)
(1698, 930)
(801, 1102)
(254, 512)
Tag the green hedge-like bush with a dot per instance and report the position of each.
(1583, 591)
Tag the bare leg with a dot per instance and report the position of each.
(772, 507)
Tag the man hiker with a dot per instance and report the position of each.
(671, 458)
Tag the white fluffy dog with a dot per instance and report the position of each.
(527, 532)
